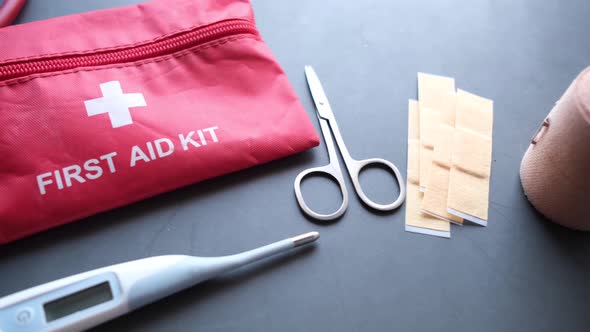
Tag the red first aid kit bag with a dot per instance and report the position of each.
(101, 109)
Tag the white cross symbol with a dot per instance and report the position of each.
(115, 103)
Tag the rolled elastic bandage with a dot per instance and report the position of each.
(469, 179)
(554, 170)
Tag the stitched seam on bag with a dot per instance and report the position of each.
(179, 54)
(114, 48)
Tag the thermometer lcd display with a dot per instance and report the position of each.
(75, 302)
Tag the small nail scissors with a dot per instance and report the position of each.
(329, 128)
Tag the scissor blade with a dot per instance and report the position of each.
(319, 96)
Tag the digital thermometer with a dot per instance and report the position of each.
(87, 299)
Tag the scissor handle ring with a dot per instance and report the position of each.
(329, 171)
(358, 165)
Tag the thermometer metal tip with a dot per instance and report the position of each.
(305, 238)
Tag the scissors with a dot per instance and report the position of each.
(329, 128)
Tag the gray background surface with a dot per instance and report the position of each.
(366, 273)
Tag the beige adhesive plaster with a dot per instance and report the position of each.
(429, 120)
(416, 221)
(435, 198)
(436, 95)
(469, 179)
(431, 88)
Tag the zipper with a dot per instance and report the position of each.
(168, 45)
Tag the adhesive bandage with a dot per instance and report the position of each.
(469, 179)
(436, 96)
(429, 120)
(416, 221)
(435, 199)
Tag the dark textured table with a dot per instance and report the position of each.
(366, 274)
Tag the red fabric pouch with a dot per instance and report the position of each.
(102, 109)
